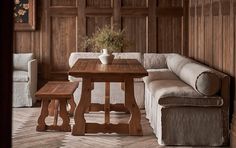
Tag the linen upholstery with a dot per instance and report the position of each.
(117, 95)
(24, 80)
(192, 126)
(129, 55)
(74, 56)
(159, 74)
(175, 62)
(154, 61)
(179, 114)
(21, 61)
(201, 78)
(20, 76)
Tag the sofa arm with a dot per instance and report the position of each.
(33, 74)
(32, 70)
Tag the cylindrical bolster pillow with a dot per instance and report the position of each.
(176, 62)
(201, 78)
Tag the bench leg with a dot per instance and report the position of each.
(44, 113)
(65, 118)
(56, 112)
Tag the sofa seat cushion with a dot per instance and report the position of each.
(159, 74)
(20, 76)
(177, 93)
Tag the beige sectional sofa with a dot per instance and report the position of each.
(186, 103)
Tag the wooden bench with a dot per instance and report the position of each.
(60, 93)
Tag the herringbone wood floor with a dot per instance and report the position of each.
(25, 135)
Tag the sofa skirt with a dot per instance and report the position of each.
(22, 95)
(183, 125)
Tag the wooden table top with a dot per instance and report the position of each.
(119, 67)
(57, 89)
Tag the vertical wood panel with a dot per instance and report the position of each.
(225, 9)
(23, 42)
(208, 32)
(93, 23)
(185, 28)
(191, 28)
(134, 3)
(63, 42)
(219, 42)
(152, 27)
(98, 3)
(136, 32)
(217, 34)
(81, 22)
(201, 54)
(63, 2)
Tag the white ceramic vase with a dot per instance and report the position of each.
(105, 57)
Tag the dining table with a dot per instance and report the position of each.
(121, 70)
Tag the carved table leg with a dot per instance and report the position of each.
(107, 102)
(79, 127)
(135, 127)
(44, 113)
(65, 118)
(72, 104)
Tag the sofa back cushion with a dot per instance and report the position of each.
(129, 55)
(201, 78)
(74, 56)
(20, 61)
(154, 61)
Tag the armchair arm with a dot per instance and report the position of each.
(33, 74)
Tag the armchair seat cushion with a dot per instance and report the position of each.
(177, 93)
(20, 76)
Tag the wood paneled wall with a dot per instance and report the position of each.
(151, 25)
(212, 40)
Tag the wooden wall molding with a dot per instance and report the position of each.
(152, 26)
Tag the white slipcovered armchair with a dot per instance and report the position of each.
(24, 79)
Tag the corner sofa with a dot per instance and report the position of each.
(186, 103)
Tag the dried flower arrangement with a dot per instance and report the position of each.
(106, 37)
